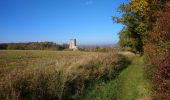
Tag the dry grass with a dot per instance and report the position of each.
(42, 75)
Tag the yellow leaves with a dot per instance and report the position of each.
(141, 28)
(139, 6)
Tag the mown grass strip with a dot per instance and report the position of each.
(129, 85)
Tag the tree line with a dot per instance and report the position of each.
(147, 31)
(33, 46)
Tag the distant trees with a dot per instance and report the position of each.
(3, 46)
(103, 49)
(33, 46)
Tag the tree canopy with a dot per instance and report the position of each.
(147, 30)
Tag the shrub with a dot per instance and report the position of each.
(157, 48)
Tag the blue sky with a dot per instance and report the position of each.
(89, 21)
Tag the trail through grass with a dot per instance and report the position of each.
(51, 75)
(129, 85)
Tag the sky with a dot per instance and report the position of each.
(89, 21)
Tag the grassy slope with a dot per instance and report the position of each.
(129, 85)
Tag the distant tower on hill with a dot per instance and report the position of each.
(72, 44)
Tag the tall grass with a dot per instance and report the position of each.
(55, 75)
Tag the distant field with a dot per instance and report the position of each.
(53, 75)
(12, 59)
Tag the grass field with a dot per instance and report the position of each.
(55, 75)
(129, 85)
(22, 59)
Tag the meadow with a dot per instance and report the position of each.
(55, 75)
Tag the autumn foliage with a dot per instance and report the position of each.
(157, 47)
(147, 23)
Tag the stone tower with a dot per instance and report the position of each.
(72, 44)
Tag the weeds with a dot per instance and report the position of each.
(57, 76)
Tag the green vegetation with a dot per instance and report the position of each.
(97, 75)
(52, 75)
(33, 46)
(103, 49)
(147, 31)
(129, 85)
(140, 17)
